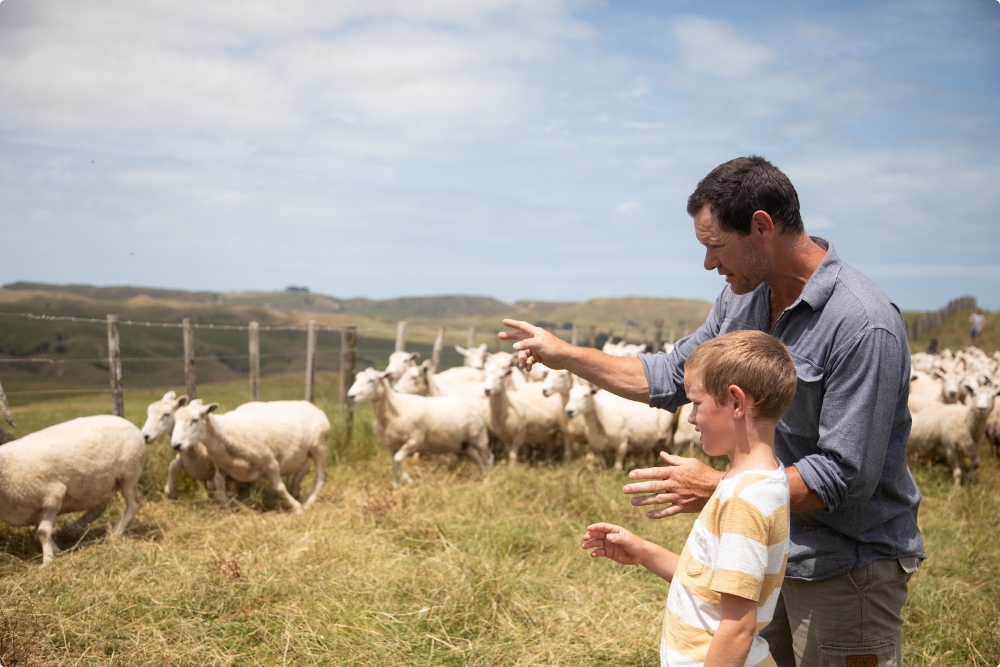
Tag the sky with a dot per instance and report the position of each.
(520, 149)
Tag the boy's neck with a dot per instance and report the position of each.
(755, 448)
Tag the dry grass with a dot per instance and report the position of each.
(447, 571)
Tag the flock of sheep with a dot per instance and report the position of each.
(485, 408)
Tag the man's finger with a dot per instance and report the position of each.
(520, 325)
(657, 499)
(650, 473)
(665, 512)
(513, 335)
(673, 460)
(660, 486)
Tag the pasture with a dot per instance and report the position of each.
(446, 571)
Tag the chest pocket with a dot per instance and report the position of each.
(801, 420)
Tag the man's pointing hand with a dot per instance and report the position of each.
(534, 345)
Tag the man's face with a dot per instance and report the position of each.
(740, 259)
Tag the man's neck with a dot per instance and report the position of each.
(795, 260)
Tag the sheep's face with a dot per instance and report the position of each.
(982, 400)
(557, 382)
(399, 362)
(414, 381)
(191, 425)
(499, 360)
(365, 385)
(581, 400)
(475, 357)
(160, 416)
(951, 388)
(495, 377)
(539, 372)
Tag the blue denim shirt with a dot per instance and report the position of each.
(847, 426)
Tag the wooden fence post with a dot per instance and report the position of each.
(401, 336)
(643, 341)
(348, 357)
(436, 352)
(496, 338)
(471, 340)
(672, 334)
(189, 377)
(658, 335)
(5, 408)
(115, 365)
(310, 360)
(575, 336)
(254, 335)
(593, 337)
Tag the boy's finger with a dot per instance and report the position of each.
(597, 553)
(592, 543)
(603, 527)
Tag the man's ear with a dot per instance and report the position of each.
(762, 226)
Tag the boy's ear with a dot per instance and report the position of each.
(738, 401)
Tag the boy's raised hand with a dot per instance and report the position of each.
(614, 542)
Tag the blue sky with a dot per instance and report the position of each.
(534, 149)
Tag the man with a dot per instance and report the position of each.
(977, 319)
(854, 540)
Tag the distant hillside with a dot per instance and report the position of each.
(954, 333)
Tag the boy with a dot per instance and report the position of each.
(725, 582)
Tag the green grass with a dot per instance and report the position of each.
(445, 572)
(954, 333)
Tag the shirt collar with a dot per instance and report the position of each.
(820, 285)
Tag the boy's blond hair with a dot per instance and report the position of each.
(755, 362)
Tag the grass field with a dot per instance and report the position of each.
(447, 571)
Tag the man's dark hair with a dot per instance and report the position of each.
(737, 189)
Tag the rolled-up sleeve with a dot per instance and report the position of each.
(665, 372)
(859, 404)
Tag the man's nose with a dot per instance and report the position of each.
(711, 261)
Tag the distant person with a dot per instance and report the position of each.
(978, 320)
(728, 577)
(932, 347)
(854, 540)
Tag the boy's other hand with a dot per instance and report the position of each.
(685, 485)
(534, 345)
(614, 542)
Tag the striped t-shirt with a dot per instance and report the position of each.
(739, 545)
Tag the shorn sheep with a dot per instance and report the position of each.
(574, 430)
(194, 460)
(258, 439)
(953, 432)
(76, 466)
(407, 424)
(521, 416)
(618, 425)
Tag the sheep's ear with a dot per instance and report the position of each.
(169, 396)
(507, 371)
(483, 347)
(180, 401)
(211, 407)
(642, 348)
(426, 364)
(414, 356)
(461, 350)
(384, 374)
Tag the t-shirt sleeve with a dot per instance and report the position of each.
(743, 555)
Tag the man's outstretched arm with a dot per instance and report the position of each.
(623, 376)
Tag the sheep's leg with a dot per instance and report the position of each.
(170, 490)
(49, 548)
(319, 463)
(219, 481)
(273, 474)
(620, 455)
(567, 448)
(480, 453)
(513, 448)
(87, 518)
(130, 489)
(294, 483)
(400, 456)
(954, 460)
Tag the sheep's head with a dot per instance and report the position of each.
(191, 425)
(983, 398)
(366, 384)
(495, 378)
(475, 357)
(160, 416)
(557, 382)
(951, 387)
(581, 400)
(399, 362)
(415, 380)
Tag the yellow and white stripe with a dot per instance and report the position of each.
(739, 546)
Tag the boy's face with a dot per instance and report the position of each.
(712, 419)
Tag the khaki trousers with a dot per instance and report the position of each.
(852, 620)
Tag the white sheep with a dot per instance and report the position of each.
(574, 430)
(399, 362)
(499, 361)
(423, 381)
(407, 424)
(76, 466)
(616, 424)
(258, 439)
(953, 432)
(623, 349)
(521, 417)
(475, 357)
(687, 441)
(194, 460)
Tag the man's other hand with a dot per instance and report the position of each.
(685, 485)
(534, 345)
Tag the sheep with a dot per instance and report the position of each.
(992, 431)
(623, 349)
(520, 417)
(76, 466)
(475, 357)
(406, 423)
(399, 362)
(575, 429)
(953, 432)
(194, 460)
(423, 381)
(503, 360)
(687, 441)
(258, 439)
(619, 425)
(924, 390)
